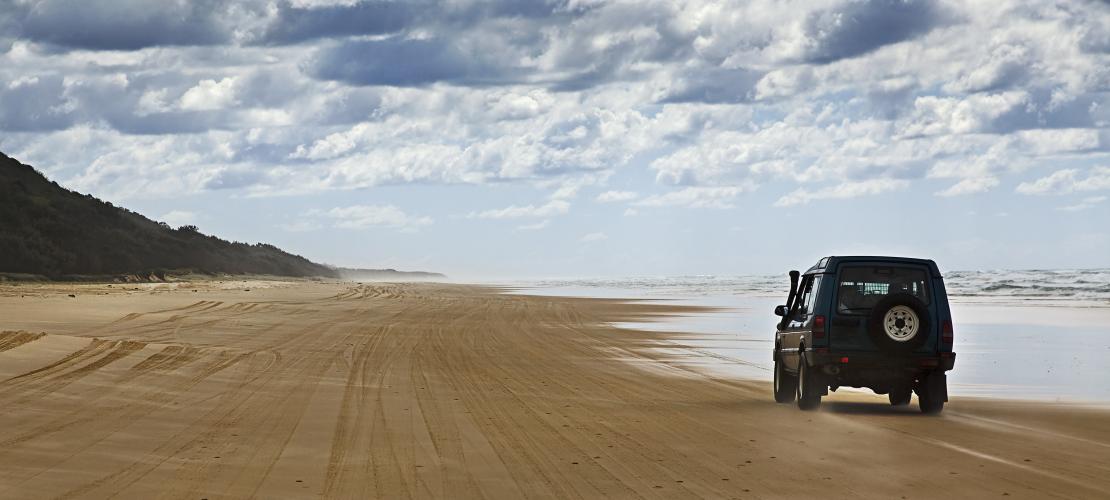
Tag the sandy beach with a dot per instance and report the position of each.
(304, 390)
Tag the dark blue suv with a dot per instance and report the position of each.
(876, 322)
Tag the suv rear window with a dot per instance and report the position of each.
(861, 287)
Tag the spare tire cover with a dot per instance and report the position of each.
(899, 323)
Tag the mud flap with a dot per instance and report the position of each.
(821, 376)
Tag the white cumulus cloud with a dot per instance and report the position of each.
(179, 217)
(970, 185)
(1068, 180)
(210, 95)
(366, 216)
(616, 196)
(553, 207)
(696, 197)
(1084, 204)
(845, 190)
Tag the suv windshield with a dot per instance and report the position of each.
(861, 287)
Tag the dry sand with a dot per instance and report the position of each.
(356, 391)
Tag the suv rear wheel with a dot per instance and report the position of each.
(809, 394)
(932, 391)
(900, 396)
(786, 385)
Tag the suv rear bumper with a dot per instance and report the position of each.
(853, 360)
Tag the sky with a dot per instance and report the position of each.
(560, 138)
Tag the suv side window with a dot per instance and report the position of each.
(812, 286)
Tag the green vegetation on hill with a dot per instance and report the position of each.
(54, 232)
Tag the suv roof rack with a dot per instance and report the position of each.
(832, 261)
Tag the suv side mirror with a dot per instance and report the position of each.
(780, 310)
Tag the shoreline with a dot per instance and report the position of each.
(404, 390)
(1016, 351)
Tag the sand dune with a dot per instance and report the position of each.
(304, 390)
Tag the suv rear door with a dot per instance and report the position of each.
(859, 286)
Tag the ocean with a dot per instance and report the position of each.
(1091, 286)
(1027, 334)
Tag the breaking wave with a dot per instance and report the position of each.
(1049, 285)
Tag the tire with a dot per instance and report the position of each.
(809, 394)
(899, 323)
(900, 396)
(932, 392)
(786, 385)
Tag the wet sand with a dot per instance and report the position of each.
(301, 390)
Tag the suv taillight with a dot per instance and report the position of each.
(819, 327)
(946, 331)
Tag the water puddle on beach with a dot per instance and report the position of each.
(1005, 350)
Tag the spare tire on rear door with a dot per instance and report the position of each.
(899, 323)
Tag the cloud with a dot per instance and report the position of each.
(35, 103)
(714, 85)
(562, 46)
(332, 146)
(11, 18)
(950, 115)
(534, 227)
(1057, 141)
(567, 188)
(209, 95)
(404, 62)
(116, 166)
(553, 207)
(971, 185)
(591, 237)
(366, 216)
(616, 196)
(126, 24)
(1084, 204)
(179, 217)
(785, 82)
(152, 102)
(845, 190)
(294, 24)
(345, 106)
(233, 177)
(856, 28)
(308, 20)
(1068, 180)
(695, 197)
(519, 106)
(1004, 67)
(280, 97)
